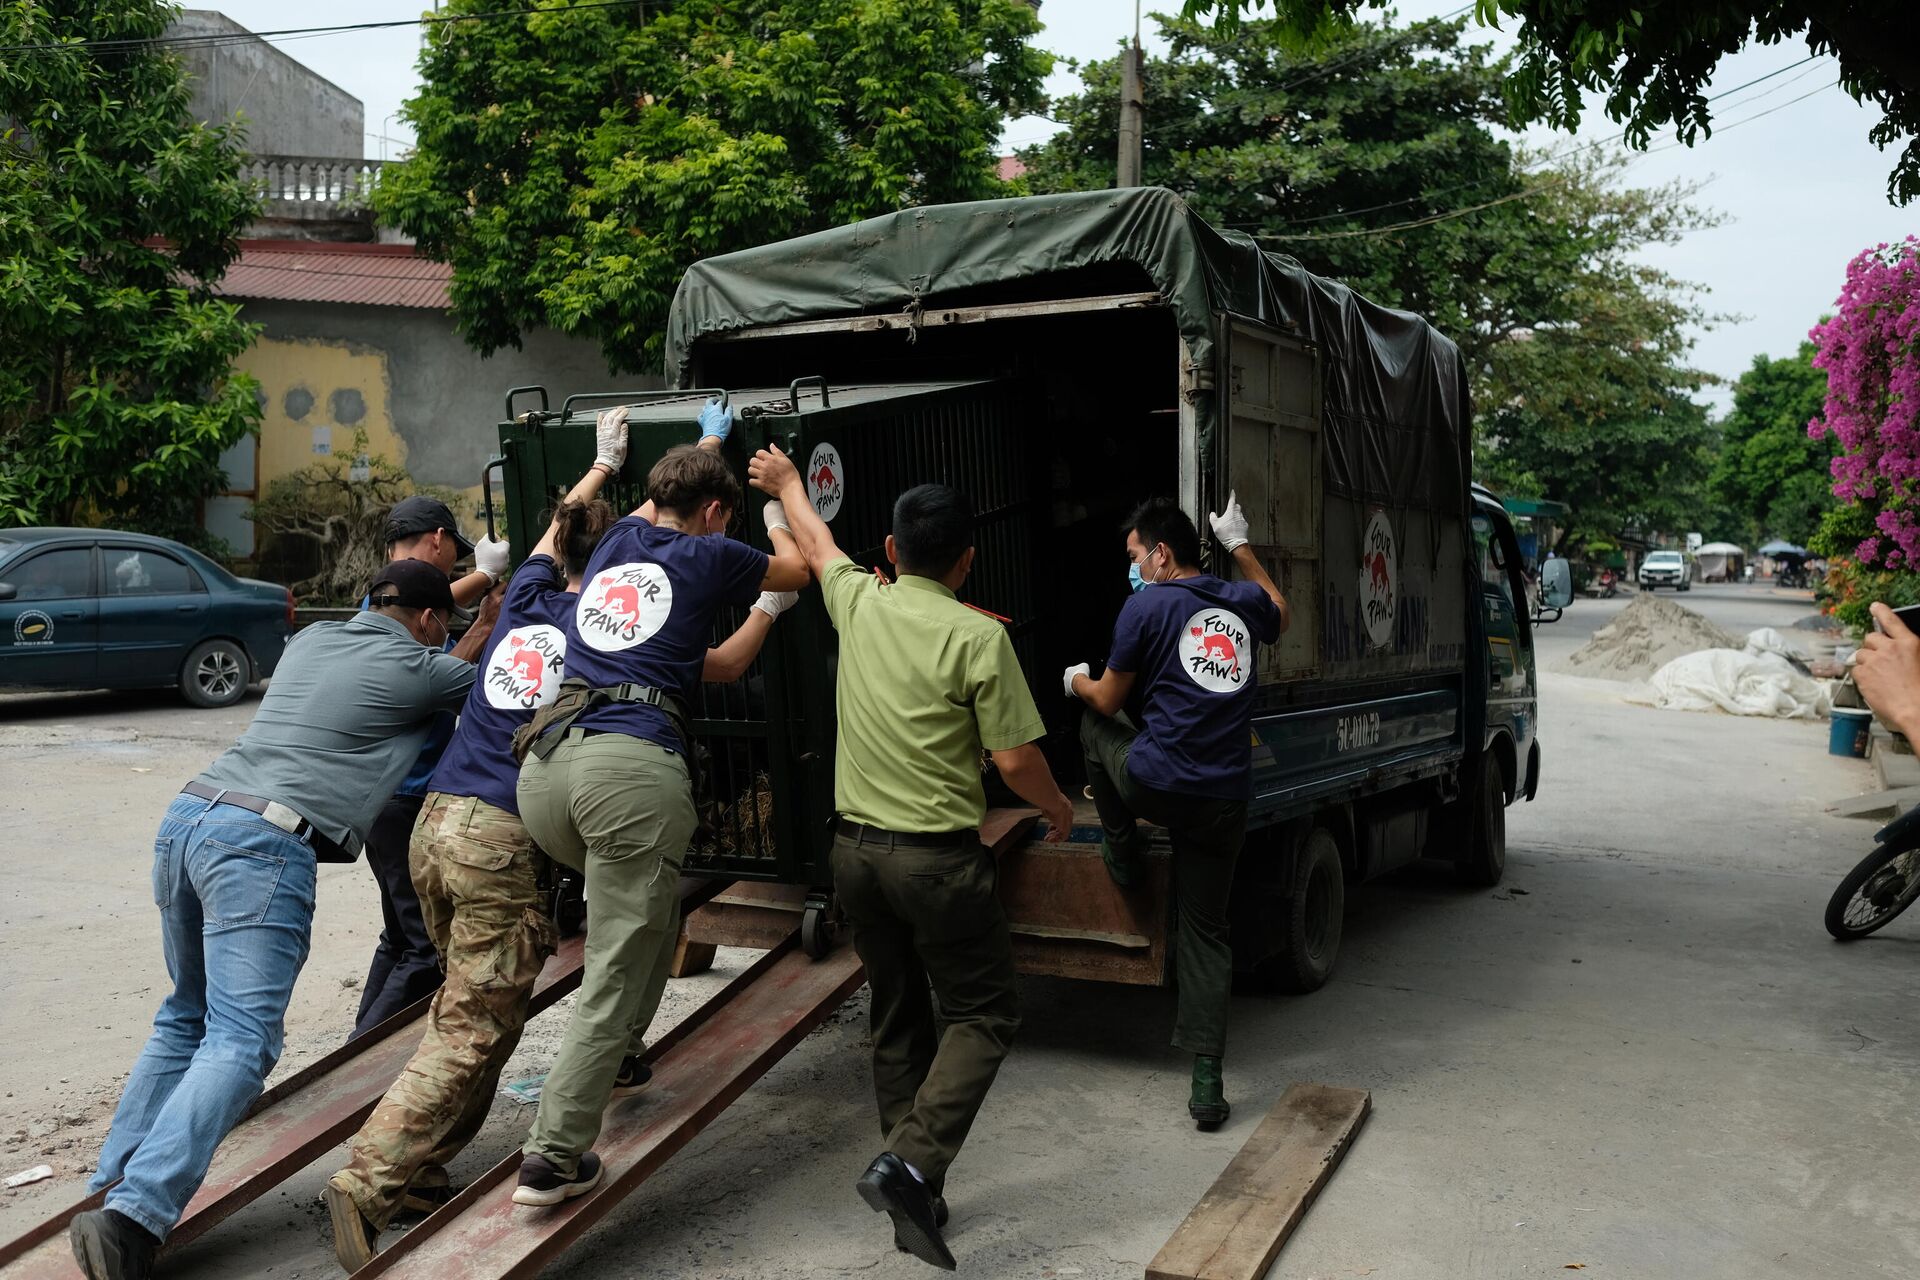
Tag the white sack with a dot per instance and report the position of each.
(1767, 640)
(1741, 683)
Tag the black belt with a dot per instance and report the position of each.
(325, 849)
(861, 833)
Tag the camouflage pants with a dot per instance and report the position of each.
(477, 873)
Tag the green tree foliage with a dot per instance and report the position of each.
(1355, 149)
(1769, 471)
(573, 163)
(117, 392)
(1653, 59)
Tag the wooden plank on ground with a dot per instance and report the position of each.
(1236, 1230)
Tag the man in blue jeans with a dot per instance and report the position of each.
(233, 875)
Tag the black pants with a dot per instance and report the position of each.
(405, 966)
(929, 915)
(1207, 834)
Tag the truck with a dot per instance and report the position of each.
(1060, 358)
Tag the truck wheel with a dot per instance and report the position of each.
(1310, 929)
(215, 674)
(1485, 858)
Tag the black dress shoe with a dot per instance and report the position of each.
(111, 1246)
(939, 1220)
(889, 1187)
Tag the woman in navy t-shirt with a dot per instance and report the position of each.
(613, 796)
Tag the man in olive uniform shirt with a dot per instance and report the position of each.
(924, 685)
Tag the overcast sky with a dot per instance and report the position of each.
(1803, 188)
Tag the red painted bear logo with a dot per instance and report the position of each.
(526, 668)
(1378, 576)
(622, 606)
(1212, 653)
(1379, 580)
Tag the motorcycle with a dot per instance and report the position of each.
(1792, 575)
(1884, 884)
(1609, 584)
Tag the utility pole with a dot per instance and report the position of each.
(1132, 111)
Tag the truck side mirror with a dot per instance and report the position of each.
(1556, 584)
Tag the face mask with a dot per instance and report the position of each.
(1134, 577)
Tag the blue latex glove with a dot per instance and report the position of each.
(716, 421)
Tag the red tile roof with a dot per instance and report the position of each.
(378, 275)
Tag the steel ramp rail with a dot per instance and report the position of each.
(290, 1124)
(699, 1069)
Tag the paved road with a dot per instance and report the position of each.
(1738, 608)
(1642, 1054)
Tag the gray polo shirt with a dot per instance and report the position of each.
(348, 709)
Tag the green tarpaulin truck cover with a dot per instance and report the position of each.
(1394, 392)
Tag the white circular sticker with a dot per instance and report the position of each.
(826, 480)
(623, 606)
(1217, 652)
(526, 668)
(1379, 580)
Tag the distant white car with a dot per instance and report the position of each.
(1666, 569)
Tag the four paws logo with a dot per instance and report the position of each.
(1212, 654)
(526, 668)
(826, 477)
(623, 606)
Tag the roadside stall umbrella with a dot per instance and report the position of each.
(1780, 549)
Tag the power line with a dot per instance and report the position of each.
(288, 33)
(1417, 222)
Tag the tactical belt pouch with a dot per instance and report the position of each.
(540, 735)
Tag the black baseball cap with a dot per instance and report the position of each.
(412, 584)
(422, 514)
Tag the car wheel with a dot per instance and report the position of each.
(215, 674)
(1484, 861)
(1314, 911)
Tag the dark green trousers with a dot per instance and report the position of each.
(1207, 835)
(929, 916)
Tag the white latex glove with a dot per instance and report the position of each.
(1230, 527)
(776, 516)
(775, 603)
(490, 557)
(1079, 669)
(610, 438)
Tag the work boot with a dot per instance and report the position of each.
(634, 1076)
(1207, 1104)
(1124, 868)
(889, 1187)
(353, 1235)
(425, 1196)
(543, 1184)
(109, 1245)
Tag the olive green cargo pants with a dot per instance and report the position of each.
(1207, 835)
(478, 876)
(619, 810)
(925, 915)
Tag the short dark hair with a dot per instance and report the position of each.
(1160, 520)
(932, 529)
(688, 477)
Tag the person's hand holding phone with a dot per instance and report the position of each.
(1887, 669)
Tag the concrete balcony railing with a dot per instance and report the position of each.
(313, 187)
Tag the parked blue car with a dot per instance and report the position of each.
(95, 609)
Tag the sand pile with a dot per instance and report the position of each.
(1647, 635)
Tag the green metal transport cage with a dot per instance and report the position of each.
(858, 447)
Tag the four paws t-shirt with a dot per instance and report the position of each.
(1191, 646)
(521, 671)
(645, 616)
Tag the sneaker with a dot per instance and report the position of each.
(109, 1245)
(1207, 1104)
(543, 1184)
(353, 1235)
(634, 1076)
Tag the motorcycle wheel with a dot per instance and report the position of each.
(1884, 884)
